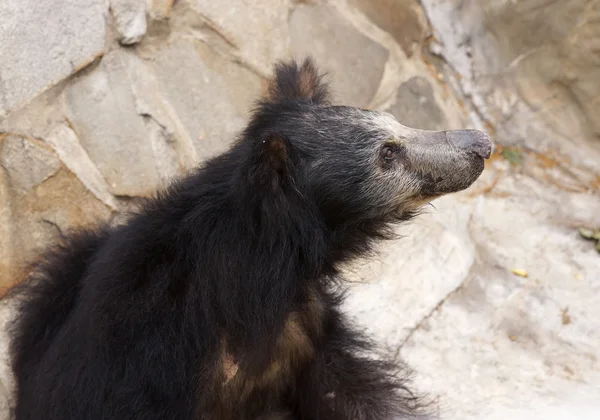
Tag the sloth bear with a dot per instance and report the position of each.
(220, 298)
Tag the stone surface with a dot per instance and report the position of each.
(255, 29)
(41, 200)
(386, 294)
(66, 144)
(561, 52)
(537, 334)
(354, 62)
(170, 140)
(102, 111)
(491, 343)
(527, 69)
(35, 56)
(214, 102)
(403, 19)
(7, 247)
(130, 17)
(161, 9)
(6, 382)
(417, 107)
(26, 164)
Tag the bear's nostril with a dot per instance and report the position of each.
(482, 150)
(474, 141)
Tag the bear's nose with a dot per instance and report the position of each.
(474, 141)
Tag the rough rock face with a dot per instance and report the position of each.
(491, 296)
(45, 42)
(321, 31)
(130, 19)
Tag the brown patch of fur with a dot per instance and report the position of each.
(308, 80)
(277, 415)
(313, 313)
(294, 344)
(292, 82)
(277, 151)
(294, 347)
(230, 368)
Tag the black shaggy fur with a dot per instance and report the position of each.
(218, 299)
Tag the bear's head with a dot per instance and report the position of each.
(362, 169)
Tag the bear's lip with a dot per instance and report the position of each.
(425, 197)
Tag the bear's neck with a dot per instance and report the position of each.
(273, 247)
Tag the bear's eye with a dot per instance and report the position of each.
(388, 153)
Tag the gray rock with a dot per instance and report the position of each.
(66, 144)
(171, 143)
(354, 62)
(485, 341)
(417, 107)
(256, 29)
(101, 109)
(403, 19)
(163, 147)
(130, 17)
(45, 214)
(559, 46)
(7, 247)
(410, 277)
(161, 9)
(214, 100)
(39, 201)
(27, 162)
(505, 342)
(6, 377)
(521, 73)
(43, 42)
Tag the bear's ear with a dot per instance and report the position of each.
(292, 82)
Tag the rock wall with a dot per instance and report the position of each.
(102, 102)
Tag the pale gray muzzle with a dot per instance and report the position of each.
(446, 161)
